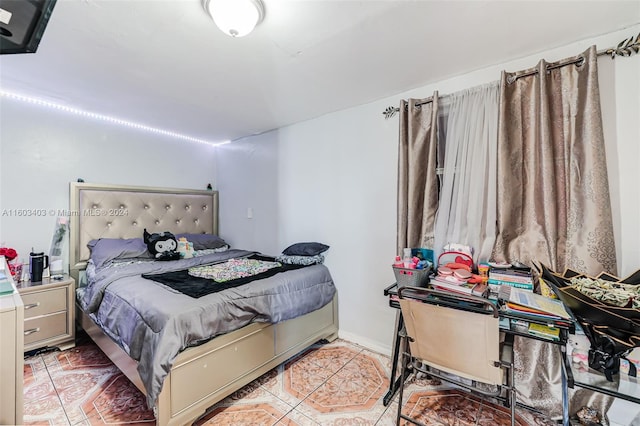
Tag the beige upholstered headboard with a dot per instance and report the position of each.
(110, 211)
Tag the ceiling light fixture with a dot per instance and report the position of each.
(236, 18)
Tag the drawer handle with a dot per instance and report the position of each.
(32, 305)
(33, 330)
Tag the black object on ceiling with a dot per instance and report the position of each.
(22, 24)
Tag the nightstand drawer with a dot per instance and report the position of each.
(46, 327)
(44, 302)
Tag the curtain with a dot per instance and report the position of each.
(466, 210)
(553, 198)
(417, 180)
(553, 194)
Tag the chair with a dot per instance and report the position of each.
(459, 335)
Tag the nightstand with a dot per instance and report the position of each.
(49, 313)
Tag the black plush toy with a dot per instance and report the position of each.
(162, 246)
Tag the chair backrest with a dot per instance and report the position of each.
(460, 342)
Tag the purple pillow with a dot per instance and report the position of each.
(104, 250)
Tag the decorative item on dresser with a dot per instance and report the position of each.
(49, 313)
(11, 359)
(202, 374)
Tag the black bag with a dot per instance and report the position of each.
(612, 331)
(607, 349)
(591, 310)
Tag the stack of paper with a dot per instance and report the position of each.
(527, 303)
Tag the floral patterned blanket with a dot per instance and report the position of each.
(232, 269)
(201, 280)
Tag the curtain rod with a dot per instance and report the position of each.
(626, 47)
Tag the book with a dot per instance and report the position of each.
(531, 313)
(544, 331)
(522, 273)
(511, 278)
(462, 288)
(495, 282)
(503, 323)
(529, 303)
(480, 289)
(512, 271)
(6, 287)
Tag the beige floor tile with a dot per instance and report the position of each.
(351, 396)
(295, 379)
(86, 355)
(34, 367)
(294, 417)
(117, 401)
(44, 411)
(266, 411)
(37, 383)
(332, 357)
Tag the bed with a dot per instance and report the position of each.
(200, 374)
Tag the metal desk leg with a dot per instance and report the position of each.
(565, 389)
(394, 384)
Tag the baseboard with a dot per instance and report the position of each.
(367, 343)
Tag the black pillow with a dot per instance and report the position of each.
(305, 249)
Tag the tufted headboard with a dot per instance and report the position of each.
(110, 211)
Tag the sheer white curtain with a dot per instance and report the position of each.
(467, 207)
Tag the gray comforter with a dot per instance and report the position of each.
(153, 323)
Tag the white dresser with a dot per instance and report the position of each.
(11, 353)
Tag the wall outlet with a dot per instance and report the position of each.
(249, 213)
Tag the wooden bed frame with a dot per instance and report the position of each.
(202, 375)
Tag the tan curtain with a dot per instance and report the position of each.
(417, 180)
(553, 198)
(553, 193)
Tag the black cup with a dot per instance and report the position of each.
(38, 262)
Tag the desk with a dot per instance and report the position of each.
(597, 382)
(508, 326)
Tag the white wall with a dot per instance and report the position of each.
(336, 184)
(620, 100)
(42, 150)
(248, 179)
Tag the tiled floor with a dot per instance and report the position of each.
(338, 384)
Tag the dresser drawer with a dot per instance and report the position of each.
(46, 327)
(44, 302)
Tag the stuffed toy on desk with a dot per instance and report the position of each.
(578, 348)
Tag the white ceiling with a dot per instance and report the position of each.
(165, 64)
